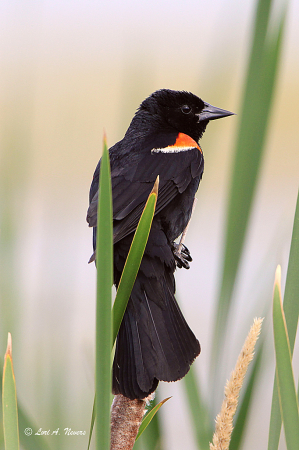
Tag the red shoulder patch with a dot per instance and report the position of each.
(183, 140)
(183, 143)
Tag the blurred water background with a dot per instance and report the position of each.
(69, 69)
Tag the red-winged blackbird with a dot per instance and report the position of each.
(154, 342)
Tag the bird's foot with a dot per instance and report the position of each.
(181, 255)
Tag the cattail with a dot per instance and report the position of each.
(126, 417)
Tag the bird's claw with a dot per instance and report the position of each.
(181, 256)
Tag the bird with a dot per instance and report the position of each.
(154, 342)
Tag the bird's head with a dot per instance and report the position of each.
(182, 111)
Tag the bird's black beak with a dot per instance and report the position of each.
(212, 112)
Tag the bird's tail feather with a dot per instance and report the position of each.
(155, 342)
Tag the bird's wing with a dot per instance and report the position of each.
(176, 164)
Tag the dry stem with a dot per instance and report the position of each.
(224, 420)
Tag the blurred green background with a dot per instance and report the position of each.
(70, 69)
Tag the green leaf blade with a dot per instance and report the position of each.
(9, 403)
(291, 311)
(290, 303)
(134, 260)
(151, 436)
(285, 378)
(149, 416)
(198, 411)
(250, 143)
(104, 260)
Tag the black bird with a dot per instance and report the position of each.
(155, 342)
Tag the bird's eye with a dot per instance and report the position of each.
(186, 109)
